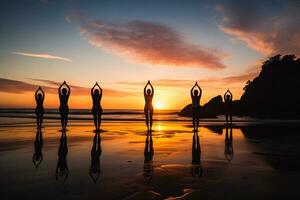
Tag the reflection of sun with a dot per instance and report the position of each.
(158, 105)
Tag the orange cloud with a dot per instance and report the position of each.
(17, 87)
(262, 26)
(45, 56)
(148, 42)
(218, 82)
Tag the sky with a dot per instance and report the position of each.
(123, 44)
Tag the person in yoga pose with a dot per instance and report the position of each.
(96, 93)
(95, 169)
(148, 154)
(196, 168)
(64, 94)
(228, 102)
(148, 110)
(228, 145)
(62, 169)
(39, 110)
(37, 157)
(196, 93)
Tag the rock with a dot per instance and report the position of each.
(210, 110)
(214, 107)
(275, 92)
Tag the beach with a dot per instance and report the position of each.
(263, 162)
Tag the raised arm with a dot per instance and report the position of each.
(200, 92)
(145, 88)
(43, 93)
(193, 90)
(199, 88)
(100, 91)
(69, 89)
(231, 96)
(92, 90)
(152, 89)
(59, 89)
(36, 93)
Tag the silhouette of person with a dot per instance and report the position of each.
(95, 169)
(39, 110)
(228, 102)
(148, 110)
(37, 157)
(148, 154)
(196, 168)
(62, 169)
(228, 145)
(96, 93)
(196, 93)
(64, 94)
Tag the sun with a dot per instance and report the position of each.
(158, 105)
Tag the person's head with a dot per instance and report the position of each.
(97, 92)
(196, 92)
(148, 91)
(40, 96)
(227, 97)
(64, 91)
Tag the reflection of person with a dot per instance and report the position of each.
(39, 110)
(96, 93)
(38, 145)
(196, 93)
(148, 154)
(62, 169)
(96, 151)
(64, 94)
(196, 169)
(148, 110)
(228, 145)
(228, 102)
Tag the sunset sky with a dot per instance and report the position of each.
(123, 44)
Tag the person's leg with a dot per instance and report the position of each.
(197, 122)
(41, 119)
(147, 120)
(62, 119)
(95, 118)
(66, 119)
(194, 119)
(99, 118)
(38, 120)
(230, 118)
(151, 120)
(226, 114)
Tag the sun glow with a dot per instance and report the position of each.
(158, 105)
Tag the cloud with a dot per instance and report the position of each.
(147, 42)
(17, 87)
(269, 27)
(218, 82)
(45, 56)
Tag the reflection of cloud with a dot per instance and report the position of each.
(148, 42)
(14, 86)
(269, 27)
(45, 56)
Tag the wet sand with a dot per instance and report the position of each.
(264, 165)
